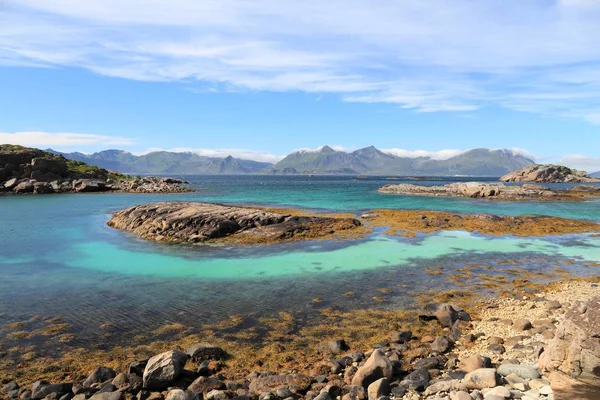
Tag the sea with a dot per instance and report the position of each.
(58, 258)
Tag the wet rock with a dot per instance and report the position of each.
(267, 383)
(524, 371)
(380, 387)
(99, 375)
(205, 385)
(481, 379)
(163, 369)
(178, 394)
(376, 367)
(416, 380)
(205, 352)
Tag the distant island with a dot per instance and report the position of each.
(324, 161)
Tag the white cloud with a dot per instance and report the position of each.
(220, 153)
(435, 155)
(427, 56)
(47, 139)
(581, 162)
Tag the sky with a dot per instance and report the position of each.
(260, 78)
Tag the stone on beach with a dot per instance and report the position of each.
(376, 367)
(163, 369)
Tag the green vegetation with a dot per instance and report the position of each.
(81, 168)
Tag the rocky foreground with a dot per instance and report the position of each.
(544, 346)
(202, 222)
(32, 171)
(548, 173)
(498, 191)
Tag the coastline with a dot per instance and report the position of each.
(291, 347)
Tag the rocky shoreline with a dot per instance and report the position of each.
(32, 171)
(494, 191)
(537, 347)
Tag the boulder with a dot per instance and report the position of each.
(90, 185)
(99, 375)
(206, 352)
(524, 371)
(205, 385)
(163, 369)
(380, 387)
(481, 378)
(24, 187)
(416, 380)
(11, 183)
(441, 344)
(41, 389)
(474, 362)
(376, 367)
(42, 188)
(575, 349)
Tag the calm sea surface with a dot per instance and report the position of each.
(58, 257)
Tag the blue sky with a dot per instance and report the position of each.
(261, 78)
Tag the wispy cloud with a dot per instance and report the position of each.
(427, 56)
(61, 140)
(435, 155)
(237, 153)
(581, 162)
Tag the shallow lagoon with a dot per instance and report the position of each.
(58, 257)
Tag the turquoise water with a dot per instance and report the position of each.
(58, 257)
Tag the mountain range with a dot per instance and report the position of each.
(596, 174)
(325, 160)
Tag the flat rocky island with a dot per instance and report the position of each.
(496, 191)
(203, 222)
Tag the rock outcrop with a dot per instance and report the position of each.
(25, 170)
(484, 190)
(547, 173)
(575, 349)
(200, 222)
(473, 190)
